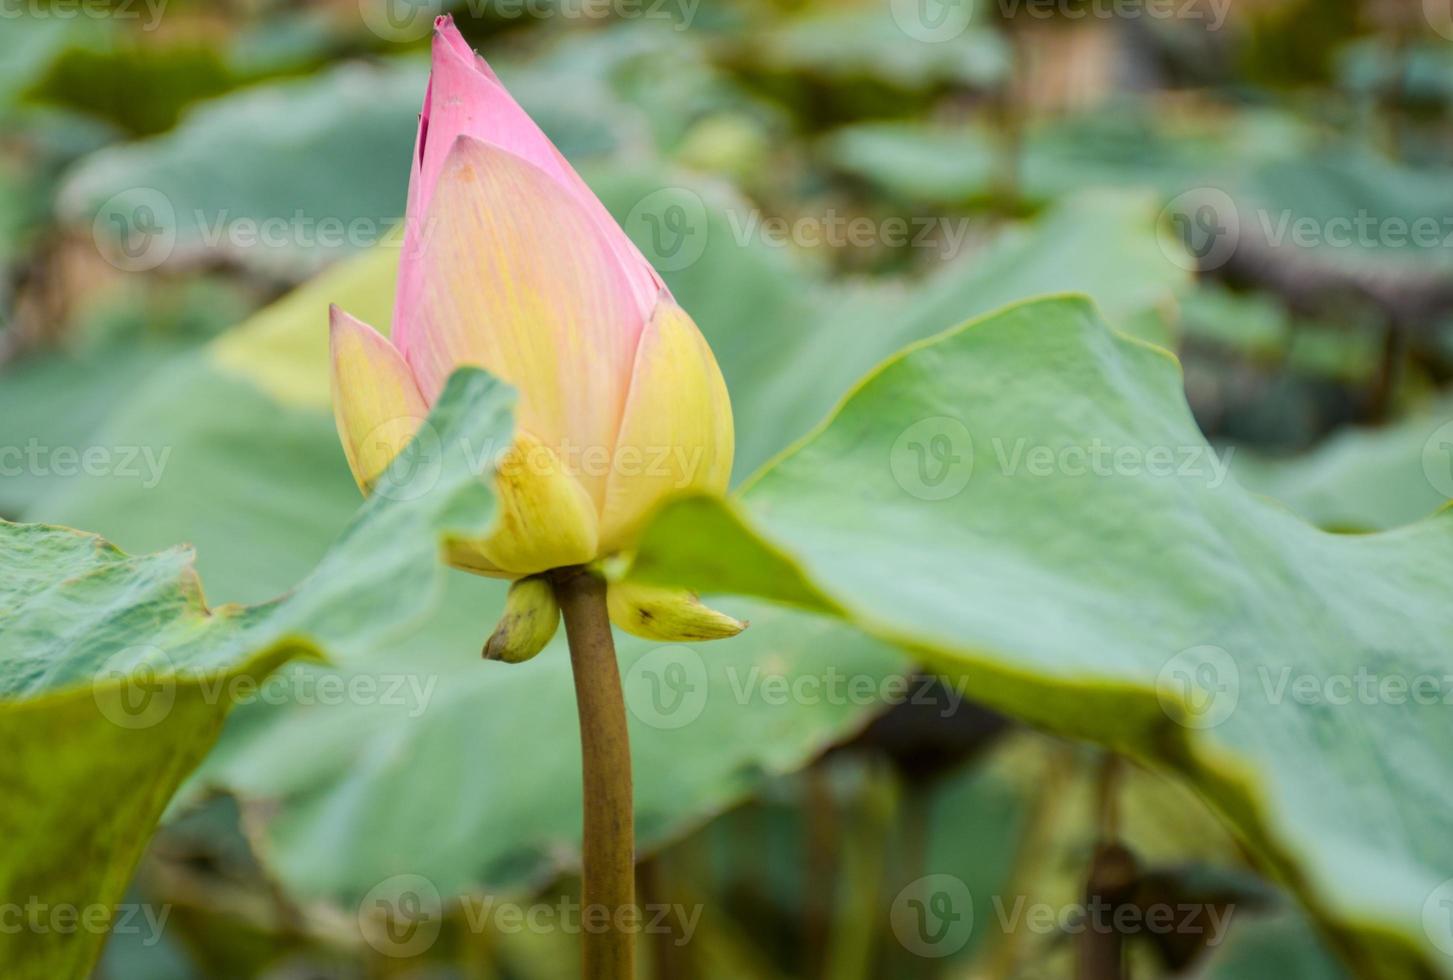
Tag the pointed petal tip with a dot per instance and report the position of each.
(376, 402)
(448, 40)
(341, 321)
(667, 615)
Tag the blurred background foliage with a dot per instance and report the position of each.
(1033, 149)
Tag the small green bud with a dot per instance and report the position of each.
(530, 619)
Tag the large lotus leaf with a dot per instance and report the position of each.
(1352, 211)
(787, 368)
(53, 400)
(1027, 502)
(115, 675)
(886, 42)
(1365, 479)
(30, 45)
(283, 177)
(931, 163)
(1281, 947)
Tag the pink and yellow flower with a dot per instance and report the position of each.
(511, 264)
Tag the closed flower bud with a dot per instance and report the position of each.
(511, 264)
(529, 622)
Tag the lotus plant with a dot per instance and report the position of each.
(511, 264)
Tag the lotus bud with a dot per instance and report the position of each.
(511, 264)
(529, 621)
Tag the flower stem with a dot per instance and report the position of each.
(608, 872)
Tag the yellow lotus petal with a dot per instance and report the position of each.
(676, 433)
(465, 555)
(666, 615)
(530, 619)
(522, 282)
(546, 520)
(376, 403)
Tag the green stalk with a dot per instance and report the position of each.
(608, 870)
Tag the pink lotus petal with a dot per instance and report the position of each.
(522, 282)
(465, 98)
